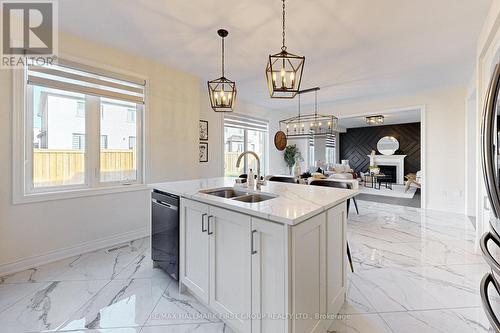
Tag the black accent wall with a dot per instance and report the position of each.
(356, 143)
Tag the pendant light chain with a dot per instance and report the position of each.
(222, 56)
(316, 102)
(299, 107)
(283, 48)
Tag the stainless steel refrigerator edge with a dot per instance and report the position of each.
(490, 163)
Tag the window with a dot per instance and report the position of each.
(80, 109)
(58, 149)
(131, 142)
(330, 150)
(312, 161)
(131, 115)
(78, 141)
(118, 161)
(240, 134)
(104, 142)
(77, 132)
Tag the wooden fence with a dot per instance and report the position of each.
(230, 159)
(53, 167)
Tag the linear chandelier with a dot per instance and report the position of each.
(309, 125)
(284, 70)
(222, 91)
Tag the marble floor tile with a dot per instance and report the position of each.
(394, 289)
(466, 320)
(356, 303)
(452, 286)
(176, 308)
(369, 253)
(48, 307)
(141, 267)
(360, 323)
(104, 264)
(447, 252)
(12, 293)
(107, 330)
(121, 303)
(44, 273)
(189, 328)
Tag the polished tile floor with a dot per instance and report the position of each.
(414, 272)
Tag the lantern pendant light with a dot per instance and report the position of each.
(222, 91)
(284, 71)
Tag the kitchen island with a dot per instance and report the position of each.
(272, 260)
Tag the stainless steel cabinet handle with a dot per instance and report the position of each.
(488, 137)
(209, 232)
(164, 204)
(203, 222)
(487, 279)
(251, 242)
(495, 266)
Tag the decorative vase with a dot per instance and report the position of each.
(297, 169)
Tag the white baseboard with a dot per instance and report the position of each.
(81, 248)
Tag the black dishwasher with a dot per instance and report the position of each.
(165, 232)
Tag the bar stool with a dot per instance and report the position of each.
(282, 179)
(331, 183)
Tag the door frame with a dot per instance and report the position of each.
(423, 141)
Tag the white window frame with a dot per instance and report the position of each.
(22, 145)
(264, 162)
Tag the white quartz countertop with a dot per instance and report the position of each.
(294, 202)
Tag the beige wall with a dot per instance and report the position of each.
(172, 114)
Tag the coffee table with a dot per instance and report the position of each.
(384, 179)
(372, 180)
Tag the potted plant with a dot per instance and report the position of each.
(291, 154)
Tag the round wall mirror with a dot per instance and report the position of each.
(388, 145)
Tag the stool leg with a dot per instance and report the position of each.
(355, 205)
(349, 257)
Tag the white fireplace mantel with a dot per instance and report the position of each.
(395, 160)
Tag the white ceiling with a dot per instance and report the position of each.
(356, 49)
(390, 118)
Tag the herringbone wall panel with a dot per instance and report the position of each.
(356, 143)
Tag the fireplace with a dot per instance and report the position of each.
(389, 170)
(393, 161)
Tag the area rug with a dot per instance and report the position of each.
(398, 191)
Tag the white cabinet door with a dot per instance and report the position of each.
(194, 248)
(309, 273)
(230, 264)
(269, 287)
(336, 257)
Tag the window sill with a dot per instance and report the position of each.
(77, 193)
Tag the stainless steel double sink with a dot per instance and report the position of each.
(238, 194)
